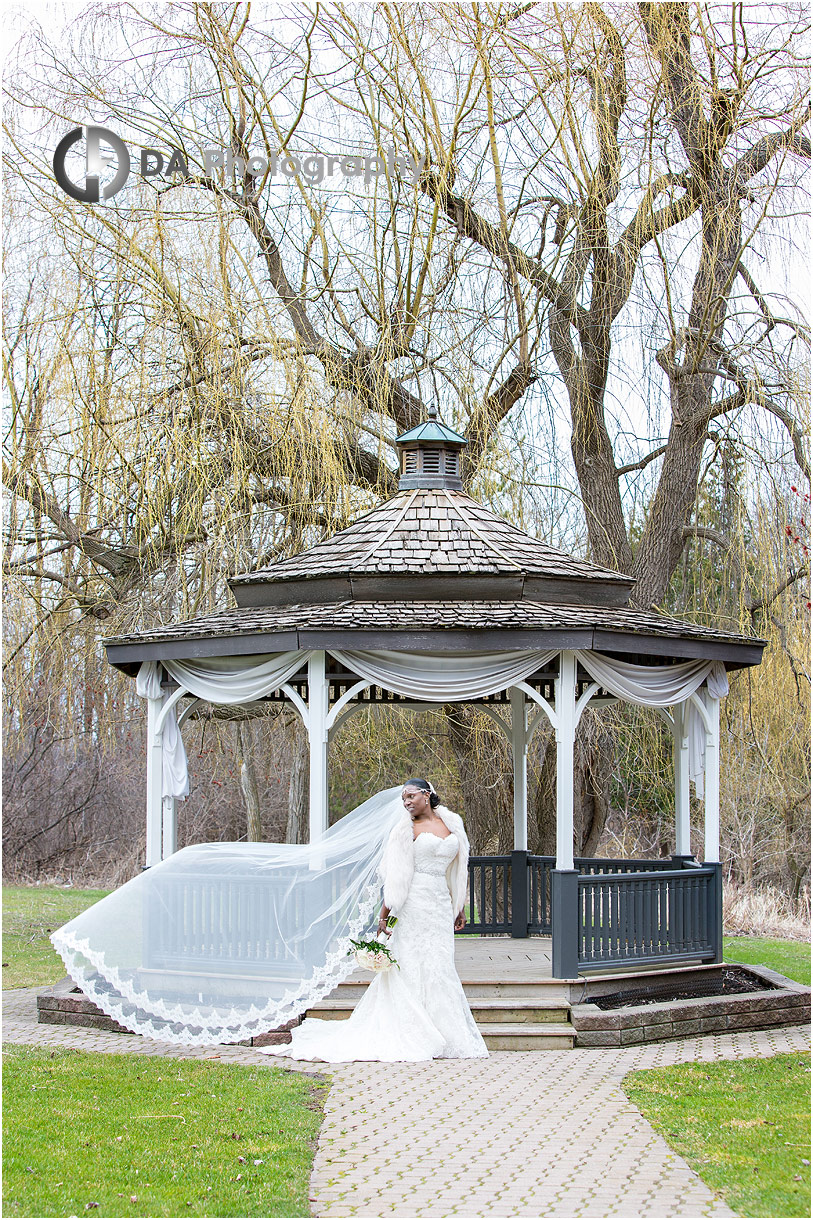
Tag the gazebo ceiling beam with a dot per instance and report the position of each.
(636, 647)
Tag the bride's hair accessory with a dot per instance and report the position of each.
(425, 786)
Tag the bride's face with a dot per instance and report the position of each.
(416, 801)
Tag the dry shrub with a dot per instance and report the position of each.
(766, 911)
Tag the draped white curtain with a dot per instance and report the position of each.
(438, 677)
(428, 677)
(175, 779)
(226, 680)
(236, 679)
(663, 686)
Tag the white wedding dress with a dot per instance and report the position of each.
(417, 1010)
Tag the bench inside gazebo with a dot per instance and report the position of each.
(431, 598)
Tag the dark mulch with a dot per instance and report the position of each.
(733, 980)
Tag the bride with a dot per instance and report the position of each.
(221, 942)
(416, 1010)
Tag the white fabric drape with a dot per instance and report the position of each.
(717, 684)
(148, 680)
(429, 677)
(236, 679)
(218, 680)
(649, 685)
(425, 676)
(175, 767)
(437, 677)
(662, 686)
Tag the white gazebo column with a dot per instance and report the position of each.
(519, 753)
(317, 737)
(169, 837)
(680, 755)
(155, 784)
(564, 878)
(711, 853)
(565, 738)
(520, 903)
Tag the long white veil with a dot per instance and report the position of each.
(223, 941)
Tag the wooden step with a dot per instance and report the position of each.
(545, 1036)
(485, 1012)
(333, 1010)
(519, 1012)
(541, 992)
(501, 1029)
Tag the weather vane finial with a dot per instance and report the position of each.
(431, 411)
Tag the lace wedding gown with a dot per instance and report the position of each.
(414, 1011)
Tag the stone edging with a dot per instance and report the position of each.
(65, 1004)
(787, 1003)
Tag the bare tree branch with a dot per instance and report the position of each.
(643, 462)
(755, 604)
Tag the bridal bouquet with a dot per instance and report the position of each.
(373, 954)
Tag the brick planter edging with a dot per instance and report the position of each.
(789, 1004)
(65, 1004)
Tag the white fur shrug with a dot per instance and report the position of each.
(398, 862)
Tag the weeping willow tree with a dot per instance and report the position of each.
(222, 382)
(208, 370)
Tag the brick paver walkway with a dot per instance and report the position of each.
(546, 1133)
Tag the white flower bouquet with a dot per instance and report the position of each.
(373, 954)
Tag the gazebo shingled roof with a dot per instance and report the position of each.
(436, 532)
(516, 624)
(433, 569)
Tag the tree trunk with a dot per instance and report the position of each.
(595, 751)
(297, 786)
(244, 732)
(796, 817)
(594, 462)
(663, 542)
(542, 812)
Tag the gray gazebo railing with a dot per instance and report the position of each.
(620, 913)
(628, 912)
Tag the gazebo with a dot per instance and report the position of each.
(431, 598)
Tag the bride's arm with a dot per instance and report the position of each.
(382, 920)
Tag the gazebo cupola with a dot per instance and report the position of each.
(430, 455)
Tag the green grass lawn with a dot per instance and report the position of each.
(30, 913)
(119, 1135)
(743, 1125)
(170, 1132)
(789, 957)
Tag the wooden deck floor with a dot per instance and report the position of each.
(502, 959)
(495, 959)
